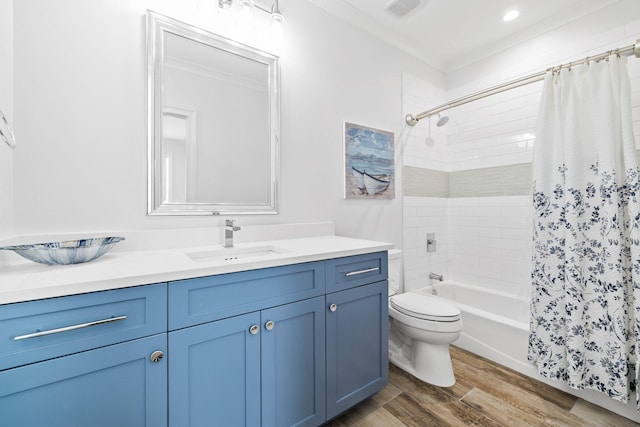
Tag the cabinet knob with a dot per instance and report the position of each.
(269, 325)
(156, 356)
(254, 329)
(333, 307)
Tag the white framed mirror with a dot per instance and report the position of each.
(213, 125)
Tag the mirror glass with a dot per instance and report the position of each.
(213, 123)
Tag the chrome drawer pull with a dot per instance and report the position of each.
(69, 328)
(368, 270)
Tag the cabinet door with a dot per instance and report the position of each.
(357, 346)
(293, 364)
(117, 385)
(214, 374)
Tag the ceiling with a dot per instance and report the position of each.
(449, 34)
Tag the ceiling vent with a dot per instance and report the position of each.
(401, 8)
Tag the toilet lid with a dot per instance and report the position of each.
(428, 307)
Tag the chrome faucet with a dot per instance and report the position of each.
(438, 277)
(229, 228)
(435, 276)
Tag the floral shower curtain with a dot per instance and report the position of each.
(585, 307)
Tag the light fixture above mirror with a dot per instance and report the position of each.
(276, 24)
(247, 7)
(250, 4)
(239, 20)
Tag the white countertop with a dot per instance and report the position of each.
(30, 281)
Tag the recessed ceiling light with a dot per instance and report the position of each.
(511, 15)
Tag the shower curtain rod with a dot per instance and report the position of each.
(412, 120)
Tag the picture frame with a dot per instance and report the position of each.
(369, 167)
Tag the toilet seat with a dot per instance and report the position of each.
(426, 307)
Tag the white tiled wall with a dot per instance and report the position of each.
(424, 215)
(494, 131)
(490, 242)
(486, 241)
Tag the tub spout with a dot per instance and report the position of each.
(435, 276)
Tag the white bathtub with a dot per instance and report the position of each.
(495, 325)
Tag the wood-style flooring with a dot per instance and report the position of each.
(485, 394)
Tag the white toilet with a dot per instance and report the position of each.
(421, 327)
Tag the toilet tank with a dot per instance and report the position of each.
(395, 271)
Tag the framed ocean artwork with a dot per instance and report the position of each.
(369, 165)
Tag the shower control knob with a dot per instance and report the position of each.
(269, 325)
(156, 356)
(333, 307)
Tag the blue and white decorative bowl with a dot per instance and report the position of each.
(65, 252)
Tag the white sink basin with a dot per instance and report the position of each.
(236, 254)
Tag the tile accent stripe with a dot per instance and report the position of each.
(509, 180)
(421, 182)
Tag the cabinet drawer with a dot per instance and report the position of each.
(195, 301)
(44, 329)
(358, 270)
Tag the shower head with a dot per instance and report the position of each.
(442, 120)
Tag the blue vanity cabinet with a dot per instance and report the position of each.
(259, 357)
(356, 331)
(92, 359)
(281, 346)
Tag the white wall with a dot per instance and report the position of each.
(6, 106)
(80, 99)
